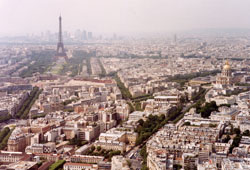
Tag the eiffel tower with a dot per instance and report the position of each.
(60, 51)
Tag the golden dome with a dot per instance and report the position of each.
(227, 66)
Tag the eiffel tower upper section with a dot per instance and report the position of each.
(60, 51)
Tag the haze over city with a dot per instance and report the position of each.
(124, 85)
(20, 17)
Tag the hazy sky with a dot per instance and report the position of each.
(116, 16)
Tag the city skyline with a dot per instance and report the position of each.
(124, 85)
(122, 17)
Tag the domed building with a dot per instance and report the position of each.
(225, 78)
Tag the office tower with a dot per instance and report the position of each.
(84, 35)
(90, 36)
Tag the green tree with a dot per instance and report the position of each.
(177, 167)
(208, 109)
(92, 148)
(226, 139)
(187, 124)
(5, 138)
(57, 165)
(246, 133)
(236, 131)
(236, 142)
(141, 122)
(99, 148)
(129, 163)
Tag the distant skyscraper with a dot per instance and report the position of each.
(175, 38)
(60, 51)
(84, 35)
(65, 35)
(90, 36)
(78, 34)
